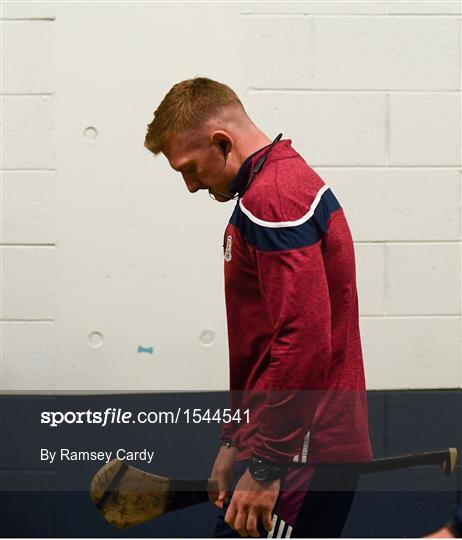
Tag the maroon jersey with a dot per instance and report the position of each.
(292, 312)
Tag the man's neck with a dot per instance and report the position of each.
(252, 144)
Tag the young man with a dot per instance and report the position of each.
(292, 312)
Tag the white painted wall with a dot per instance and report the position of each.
(102, 244)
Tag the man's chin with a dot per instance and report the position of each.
(218, 197)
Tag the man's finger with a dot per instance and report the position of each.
(230, 514)
(221, 499)
(223, 489)
(240, 523)
(268, 521)
(251, 526)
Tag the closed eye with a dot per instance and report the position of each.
(187, 168)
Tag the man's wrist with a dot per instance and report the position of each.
(226, 441)
(263, 470)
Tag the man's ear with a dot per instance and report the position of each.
(224, 146)
(222, 139)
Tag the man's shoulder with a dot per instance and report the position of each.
(284, 190)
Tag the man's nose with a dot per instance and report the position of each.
(192, 185)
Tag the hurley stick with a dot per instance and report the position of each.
(128, 496)
(446, 459)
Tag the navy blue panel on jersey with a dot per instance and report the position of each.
(323, 211)
(279, 238)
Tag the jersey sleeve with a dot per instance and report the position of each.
(294, 288)
(288, 256)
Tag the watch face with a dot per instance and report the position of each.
(259, 471)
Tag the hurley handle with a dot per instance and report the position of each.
(182, 493)
(446, 458)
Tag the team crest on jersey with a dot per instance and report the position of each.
(229, 244)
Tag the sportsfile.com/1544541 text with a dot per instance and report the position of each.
(113, 415)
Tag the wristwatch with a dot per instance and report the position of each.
(262, 470)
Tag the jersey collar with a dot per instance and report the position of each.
(240, 182)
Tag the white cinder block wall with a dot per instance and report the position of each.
(112, 272)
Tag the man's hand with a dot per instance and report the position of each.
(252, 500)
(223, 472)
(441, 533)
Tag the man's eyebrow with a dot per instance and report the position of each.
(182, 165)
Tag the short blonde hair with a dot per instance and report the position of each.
(188, 106)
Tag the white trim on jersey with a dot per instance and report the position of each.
(304, 454)
(273, 523)
(278, 528)
(278, 224)
(306, 442)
